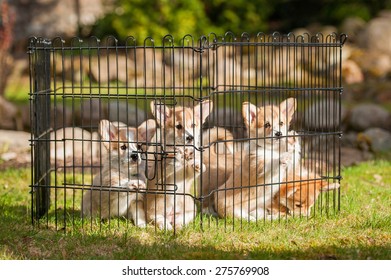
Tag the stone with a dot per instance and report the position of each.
(90, 112)
(323, 115)
(353, 156)
(375, 40)
(108, 68)
(8, 114)
(377, 139)
(351, 72)
(9, 156)
(376, 36)
(51, 18)
(14, 141)
(368, 115)
(353, 27)
(349, 139)
(375, 64)
(127, 113)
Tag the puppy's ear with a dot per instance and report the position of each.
(161, 112)
(108, 132)
(291, 189)
(202, 110)
(146, 130)
(249, 112)
(288, 108)
(128, 134)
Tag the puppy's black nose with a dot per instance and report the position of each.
(134, 156)
(278, 134)
(189, 138)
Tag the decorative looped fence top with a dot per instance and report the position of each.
(203, 42)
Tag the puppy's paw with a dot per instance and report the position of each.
(180, 156)
(189, 154)
(141, 223)
(285, 158)
(164, 225)
(135, 185)
(199, 167)
(142, 185)
(251, 218)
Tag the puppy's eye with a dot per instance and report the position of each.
(281, 123)
(267, 125)
(139, 147)
(298, 205)
(124, 147)
(179, 126)
(193, 125)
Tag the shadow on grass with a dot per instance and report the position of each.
(20, 240)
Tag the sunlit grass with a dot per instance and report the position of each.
(361, 230)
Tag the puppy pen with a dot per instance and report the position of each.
(75, 85)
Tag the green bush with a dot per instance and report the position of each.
(154, 18)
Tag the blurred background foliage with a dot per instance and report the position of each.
(154, 18)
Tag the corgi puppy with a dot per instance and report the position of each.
(251, 188)
(171, 175)
(116, 187)
(219, 159)
(299, 195)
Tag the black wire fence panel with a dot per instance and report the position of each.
(216, 131)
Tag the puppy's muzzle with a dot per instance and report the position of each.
(278, 134)
(134, 156)
(189, 137)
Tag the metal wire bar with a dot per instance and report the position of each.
(76, 84)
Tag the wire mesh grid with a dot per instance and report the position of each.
(219, 131)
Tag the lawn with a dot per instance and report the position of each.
(361, 230)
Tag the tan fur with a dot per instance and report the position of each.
(116, 187)
(69, 145)
(249, 190)
(299, 195)
(219, 158)
(174, 164)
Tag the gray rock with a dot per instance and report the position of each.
(50, 18)
(377, 34)
(365, 116)
(349, 139)
(353, 156)
(351, 72)
(352, 26)
(322, 115)
(378, 139)
(109, 68)
(14, 141)
(127, 113)
(90, 112)
(8, 114)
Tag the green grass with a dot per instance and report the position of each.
(361, 230)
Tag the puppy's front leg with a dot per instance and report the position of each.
(174, 161)
(137, 212)
(195, 162)
(163, 223)
(286, 162)
(136, 184)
